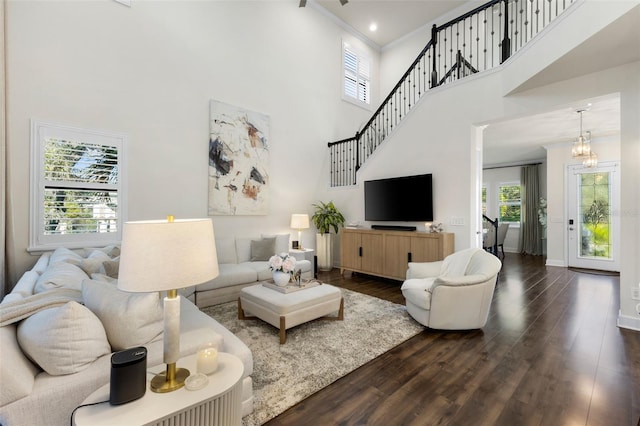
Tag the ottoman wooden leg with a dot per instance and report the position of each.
(340, 316)
(283, 330)
(240, 311)
(241, 315)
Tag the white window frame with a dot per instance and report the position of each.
(40, 133)
(361, 60)
(500, 203)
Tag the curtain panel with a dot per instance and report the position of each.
(3, 156)
(530, 229)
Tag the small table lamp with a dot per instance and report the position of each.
(300, 222)
(164, 256)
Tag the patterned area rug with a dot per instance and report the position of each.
(316, 353)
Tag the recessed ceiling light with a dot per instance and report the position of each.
(373, 26)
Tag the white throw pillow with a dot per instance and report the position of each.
(63, 254)
(111, 268)
(93, 262)
(130, 319)
(111, 251)
(282, 242)
(243, 249)
(60, 274)
(226, 250)
(26, 284)
(103, 277)
(42, 264)
(63, 340)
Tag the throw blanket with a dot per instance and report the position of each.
(17, 310)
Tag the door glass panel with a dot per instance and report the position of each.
(595, 215)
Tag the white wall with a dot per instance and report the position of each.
(149, 71)
(438, 137)
(559, 158)
(492, 179)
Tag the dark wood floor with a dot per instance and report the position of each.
(550, 354)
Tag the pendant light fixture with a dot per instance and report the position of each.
(592, 159)
(582, 146)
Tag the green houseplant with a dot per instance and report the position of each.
(325, 218)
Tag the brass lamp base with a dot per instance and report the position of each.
(172, 379)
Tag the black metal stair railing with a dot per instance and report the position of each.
(474, 42)
(491, 246)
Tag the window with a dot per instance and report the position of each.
(77, 197)
(509, 202)
(484, 200)
(357, 76)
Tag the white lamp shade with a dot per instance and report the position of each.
(300, 221)
(163, 255)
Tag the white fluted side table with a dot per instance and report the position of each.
(218, 403)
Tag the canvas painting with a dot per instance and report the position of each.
(238, 161)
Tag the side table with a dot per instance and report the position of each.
(306, 254)
(218, 403)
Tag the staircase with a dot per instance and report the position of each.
(477, 41)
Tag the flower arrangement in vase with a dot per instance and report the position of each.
(283, 267)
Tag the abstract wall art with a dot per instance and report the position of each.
(238, 161)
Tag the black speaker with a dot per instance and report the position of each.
(128, 375)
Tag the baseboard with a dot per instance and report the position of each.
(625, 321)
(556, 262)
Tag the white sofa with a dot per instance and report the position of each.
(452, 294)
(239, 268)
(69, 346)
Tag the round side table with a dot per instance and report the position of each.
(218, 403)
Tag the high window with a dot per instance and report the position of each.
(509, 202)
(77, 197)
(356, 76)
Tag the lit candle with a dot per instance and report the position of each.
(207, 360)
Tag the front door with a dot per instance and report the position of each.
(593, 226)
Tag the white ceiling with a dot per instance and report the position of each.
(394, 18)
(518, 139)
(523, 139)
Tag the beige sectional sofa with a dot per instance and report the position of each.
(63, 320)
(242, 262)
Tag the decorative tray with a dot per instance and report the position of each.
(291, 287)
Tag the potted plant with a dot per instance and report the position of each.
(325, 218)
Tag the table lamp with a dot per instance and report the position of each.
(164, 256)
(300, 222)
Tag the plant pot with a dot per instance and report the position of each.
(324, 251)
(281, 278)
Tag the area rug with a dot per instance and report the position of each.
(316, 353)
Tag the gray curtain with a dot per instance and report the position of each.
(3, 158)
(530, 229)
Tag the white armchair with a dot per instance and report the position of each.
(452, 294)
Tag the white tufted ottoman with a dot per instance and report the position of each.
(286, 310)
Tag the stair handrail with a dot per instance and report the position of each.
(435, 29)
(504, 47)
(493, 223)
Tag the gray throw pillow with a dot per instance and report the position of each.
(262, 250)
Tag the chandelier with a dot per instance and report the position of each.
(581, 148)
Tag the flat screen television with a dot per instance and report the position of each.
(401, 199)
